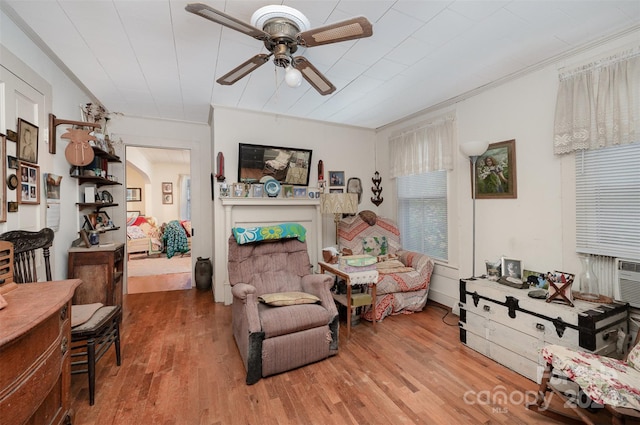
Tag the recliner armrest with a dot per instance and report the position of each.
(320, 286)
(241, 290)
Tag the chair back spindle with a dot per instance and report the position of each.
(25, 244)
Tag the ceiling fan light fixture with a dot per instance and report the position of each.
(266, 13)
(292, 77)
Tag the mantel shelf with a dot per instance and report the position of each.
(269, 201)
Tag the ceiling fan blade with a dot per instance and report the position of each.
(243, 69)
(351, 29)
(226, 20)
(313, 76)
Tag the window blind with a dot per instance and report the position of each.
(422, 213)
(608, 201)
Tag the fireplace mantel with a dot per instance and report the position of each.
(269, 201)
(248, 212)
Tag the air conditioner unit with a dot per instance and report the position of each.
(629, 281)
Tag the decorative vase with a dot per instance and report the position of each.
(203, 273)
(589, 288)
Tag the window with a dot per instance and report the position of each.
(608, 201)
(422, 213)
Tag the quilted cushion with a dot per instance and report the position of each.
(603, 379)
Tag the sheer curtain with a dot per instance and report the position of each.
(598, 105)
(426, 147)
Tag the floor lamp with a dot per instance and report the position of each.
(473, 150)
(338, 204)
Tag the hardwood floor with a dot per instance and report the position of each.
(180, 365)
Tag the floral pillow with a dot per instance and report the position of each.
(375, 245)
(633, 359)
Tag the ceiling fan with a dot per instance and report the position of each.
(283, 29)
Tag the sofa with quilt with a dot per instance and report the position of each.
(404, 276)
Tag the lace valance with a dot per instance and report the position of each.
(598, 104)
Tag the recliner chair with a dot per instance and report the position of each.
(274, 339)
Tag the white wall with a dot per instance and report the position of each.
(539, 226)
(167, 173)
(183, 135)
(137, 180)
(341, 148)
(62, 97)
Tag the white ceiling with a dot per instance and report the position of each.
(153, 59)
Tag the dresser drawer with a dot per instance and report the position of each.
(516, 341)
(33, 393)
(41, 339)
(514, 361)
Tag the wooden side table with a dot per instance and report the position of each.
(369, 277)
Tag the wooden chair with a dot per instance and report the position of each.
(100, 329)
(598, 382)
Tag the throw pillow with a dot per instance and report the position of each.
(368, 217)
(634, 357)
(375, 245)
(288, 298)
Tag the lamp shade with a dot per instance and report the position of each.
(339, 203)
(474, 147)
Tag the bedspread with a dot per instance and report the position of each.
(175, 238)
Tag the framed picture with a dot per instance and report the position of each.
(287, 165)
(512, 268)
(336, 178)
(29, 183)
(336, 190)
(102, 220)
(12, 162)
(27, 146)
(560, 287)
(167, 198)
(496, 172)
(299, 192)
(134, 194)
(91, 220)
(85, 238)
(12, 206)
(239, 190)
(257, 190)
(287, 191)
(3, 178)
(167, 187)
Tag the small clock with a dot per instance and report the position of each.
(12, 181)
(272, 188)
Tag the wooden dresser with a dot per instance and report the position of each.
(35, 333)
(101, 271)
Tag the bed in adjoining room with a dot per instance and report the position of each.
(143, 235)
